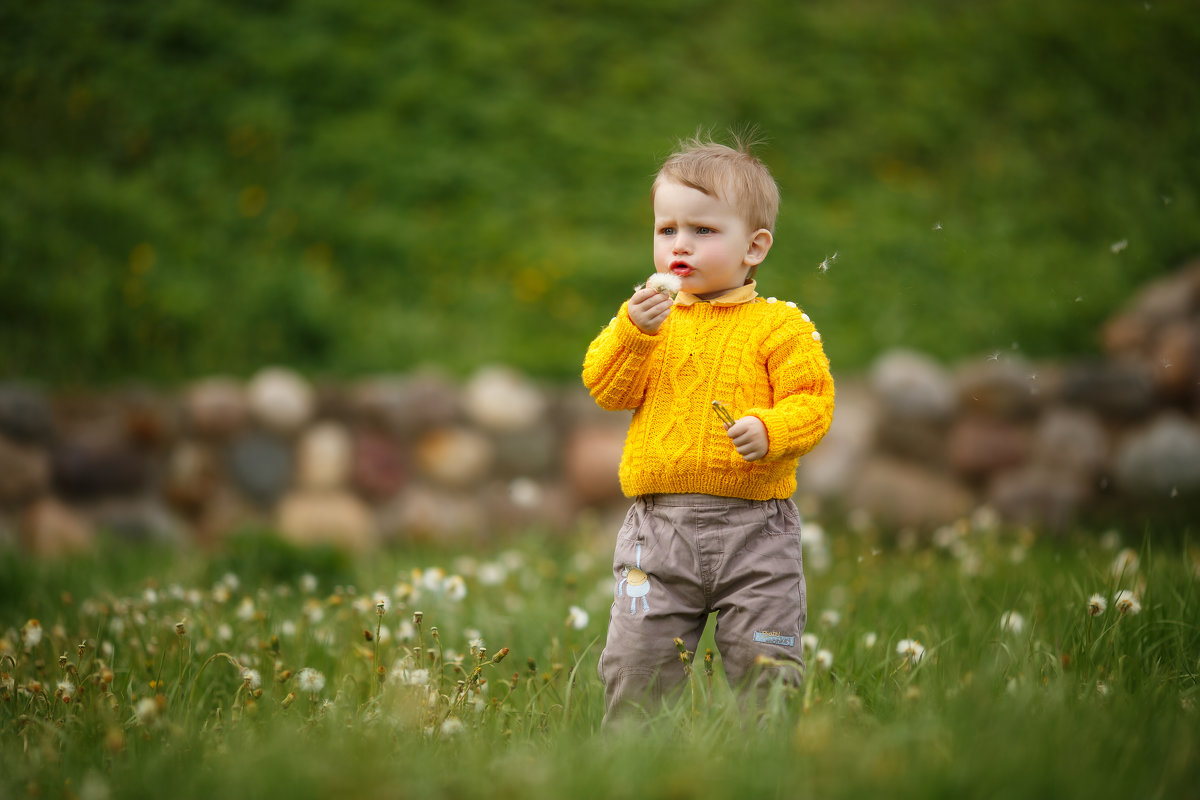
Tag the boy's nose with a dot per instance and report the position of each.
(682, 244)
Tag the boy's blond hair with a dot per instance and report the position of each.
(731, 173)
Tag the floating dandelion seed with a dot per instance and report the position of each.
(827, 263)
(665, 283)
(1126, 602)
(937, 226)
(1117, 247)
(1096, 605)
(994, 356)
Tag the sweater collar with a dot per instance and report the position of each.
(742, 294)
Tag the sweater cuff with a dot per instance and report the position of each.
(630, 336)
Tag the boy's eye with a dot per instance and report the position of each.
(667, 231)
(703, 230)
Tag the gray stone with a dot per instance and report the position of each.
(1072, 440)
(423, 513)
(407, 406)
(978, 447)
(829, 469)
(899, 494)
(260, 464)
(25, 416)
(913, 386)
(1116, 390)
(1001, 388)
(94, 467)
(24, 472)
(1160, 459)
(143, 520)
(1037, 495)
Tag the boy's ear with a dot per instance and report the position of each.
(760, 245)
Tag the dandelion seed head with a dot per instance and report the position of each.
(251, 678)
(455, 588)
(1012, 622)
(808, 642)
(146, 710)
(31, 634)
(911, 649)
(1096, 605)
(824, 659)
(577, 618)
(868, 639)
(830, 617)
(310, 680)
(453, 726)
(1127, 602)
(1126, 563)
(665, 283)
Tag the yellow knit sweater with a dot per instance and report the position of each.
(759, 357)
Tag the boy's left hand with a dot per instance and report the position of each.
(749, 436)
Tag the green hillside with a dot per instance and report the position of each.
(191, 187)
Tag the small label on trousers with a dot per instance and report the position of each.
(774, 637)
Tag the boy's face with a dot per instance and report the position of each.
(703, 240)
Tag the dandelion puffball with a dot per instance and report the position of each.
(665, 283)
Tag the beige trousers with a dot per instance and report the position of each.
(680, 557)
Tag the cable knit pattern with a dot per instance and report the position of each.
(762, 358)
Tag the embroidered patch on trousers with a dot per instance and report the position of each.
(774, 637)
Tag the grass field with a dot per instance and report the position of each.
(984, 663)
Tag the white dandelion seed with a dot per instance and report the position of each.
(1117, 247)
(665, 283)
(808, 642)
(824, 659)
(868, 639)
(432, 578)
(1127, 602)
(491, 573)
(994, 356)
(308, 583)
(452, 726)
(830, 618)
(937, 226)
(66, 689)
(1096, 605)
(310, 680)
(577, 618)
(1012, 622)
(827, 263)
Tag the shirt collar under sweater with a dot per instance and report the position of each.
(742, 294)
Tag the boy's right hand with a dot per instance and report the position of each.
(648, 309)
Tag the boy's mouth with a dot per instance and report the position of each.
(681, 269)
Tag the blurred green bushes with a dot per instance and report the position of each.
(194, 187)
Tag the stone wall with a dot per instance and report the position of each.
(914, 444)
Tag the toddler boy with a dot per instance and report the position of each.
(712, 526)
